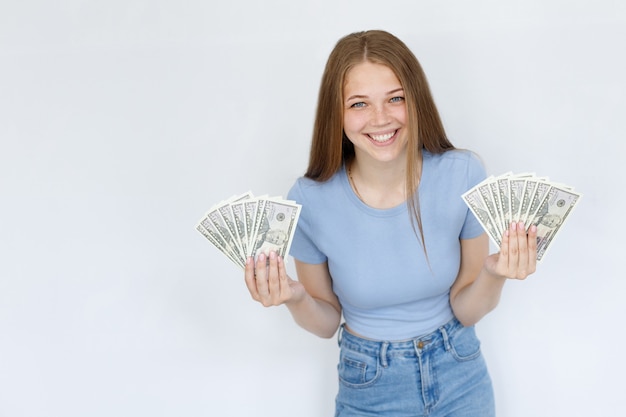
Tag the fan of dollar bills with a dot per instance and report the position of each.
(244, 226)
(498, 201)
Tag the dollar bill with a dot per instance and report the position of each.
(275, 228)
(228, 219)
(244, 225)
(476, 204)
(551, 215)
(540, 194)
(516, 188)
(251, 208)
(530, 185)
(505, 197)
(498, 201)
(490, 205)
(239, 217)
(208, 230)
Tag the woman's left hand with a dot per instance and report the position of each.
(517, 258)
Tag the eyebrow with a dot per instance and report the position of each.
(358, 96)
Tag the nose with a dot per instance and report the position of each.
(380, 116)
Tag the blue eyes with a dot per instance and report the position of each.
(361, 104)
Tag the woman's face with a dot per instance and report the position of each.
(375, 113)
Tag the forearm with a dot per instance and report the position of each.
(316, 316)
(471, 299)
(477, 299)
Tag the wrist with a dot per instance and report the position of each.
(493, 276)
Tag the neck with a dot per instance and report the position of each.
(379, 185)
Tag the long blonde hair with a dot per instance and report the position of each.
(330, 148)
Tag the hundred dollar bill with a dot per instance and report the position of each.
(477, 206)
(275, 227)
(551, 215)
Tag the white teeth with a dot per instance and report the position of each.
(382, 138)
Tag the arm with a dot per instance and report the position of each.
(319, 312)
(481, 278)
(311, 300)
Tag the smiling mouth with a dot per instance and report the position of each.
(384, 137)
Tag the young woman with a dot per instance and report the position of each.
(385, 241)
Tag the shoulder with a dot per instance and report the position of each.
(308, 189)
(308, 185)
(455, 156)
(459, 159)
(459, 166)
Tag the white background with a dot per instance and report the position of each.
(122, 122)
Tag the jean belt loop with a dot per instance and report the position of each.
(383, 353)
(340, 334)
(444, 334)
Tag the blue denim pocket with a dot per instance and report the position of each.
(464, 345)
(356, 369)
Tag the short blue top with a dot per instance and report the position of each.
(387, 288)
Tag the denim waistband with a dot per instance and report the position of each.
(408, 347)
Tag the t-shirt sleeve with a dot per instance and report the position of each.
(303, 247)
(475, 174)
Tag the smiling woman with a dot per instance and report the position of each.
(121, 121)
(380, 163)
(374, 122)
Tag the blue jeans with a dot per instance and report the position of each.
(440, 374)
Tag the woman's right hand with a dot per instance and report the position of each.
(268, 282)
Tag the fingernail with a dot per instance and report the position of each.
(272, 255)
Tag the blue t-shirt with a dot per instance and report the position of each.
(387, 287)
